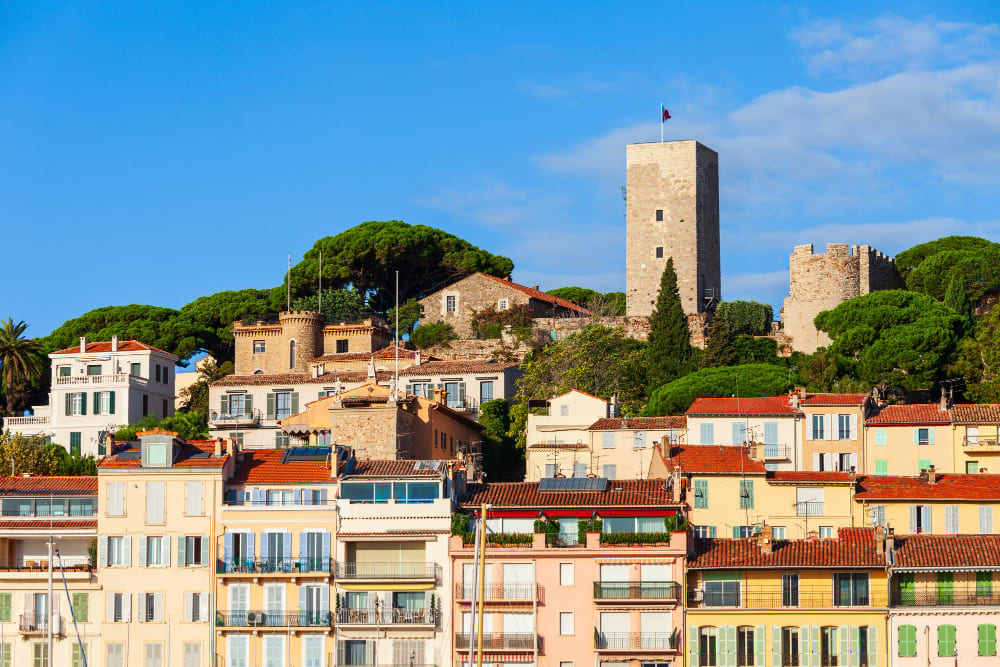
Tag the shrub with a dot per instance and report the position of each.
(508, 538)
(490, 322)
(459, 524)
(749, 379)
(585, 526)
(746, 317)
(635, 538)
(547, 526)
(433, 333)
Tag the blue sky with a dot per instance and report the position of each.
(157, 152)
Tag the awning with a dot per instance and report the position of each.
(302, 429)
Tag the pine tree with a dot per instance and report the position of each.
(956, 299)
(719, 348)
(669, 352)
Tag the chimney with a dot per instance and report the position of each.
(83, 343)
(765, 539)
(801, 391)
(853, 474)
(114, 343)
(879, 540)
(217, 451)
(943, 403)
(890, 541)
(675, 490)
(793, 400)
(416, 357)
(440, 395)
(923, 476)
(931, 475)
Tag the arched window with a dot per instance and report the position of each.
(291, 354)
(258, 372)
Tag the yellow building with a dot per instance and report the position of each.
(833, 430)
(905, 439)
(729, 493)
(929, 503)
(766, 602)
(974, 435)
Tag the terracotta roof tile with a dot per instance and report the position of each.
(619, 492)
(854, 547)
(834, 399)
(944, 551)
(123, 346)
(280, 379)
(190, 456)
(388, 352)
(949, 486)
(809, 476)
(751, 405)
(715, 459)
(973, 413)
(264, 466)
(923, 413)
(393, 468)
(457, 367)
(640, 423)
(538, 294)
(64, 486)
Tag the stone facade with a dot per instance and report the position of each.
(822, 282)
(672, 210)
(375, 432)
(479, 350)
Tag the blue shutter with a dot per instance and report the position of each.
(228, 556)
(304, 553)
(770, 433)
(326, 551)
(264, 546)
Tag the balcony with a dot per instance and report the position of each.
(957, 596)
(512, 592)
(777, 452)
(393, 616)
(653, 591)
(465, 406)
(500, 641)
(84, 380)
(37, 624)
(239, 419)
(635, 641)
(981, 444)
(386, 571)
(25, 421)
(74, 569)
(272, 619)
(809, 509)
(822, 599)
(303, 565)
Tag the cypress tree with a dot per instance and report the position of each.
(956, 299)
(669, 352)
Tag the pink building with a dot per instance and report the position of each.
(602, 586)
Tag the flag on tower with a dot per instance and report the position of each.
(665, 115)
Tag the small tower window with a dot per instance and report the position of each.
(291, 354)
(659, 215)
(659, 252)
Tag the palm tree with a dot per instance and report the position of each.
(20, 358)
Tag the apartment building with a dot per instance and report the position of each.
(833, 430)
(467, 384)
(391, 581)
(774, 421)
(558, 434)
(581, 593)
(98, 387)
(906, 439)
(156, 559)
(976, 445)
(35, 512)
(931, 502)
(768, 602)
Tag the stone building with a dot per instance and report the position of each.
(822, 282)
(458, 302)
(672, 211)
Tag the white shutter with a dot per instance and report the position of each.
(188, 606)
(158, 607)
(165, 551)
(985, 519)
(127, 551)
(614, 573)
(828, 461)
(854, 462)
(109, 607)
(854, 427)
(817, 462)
(203, 610)
(828, 427)
(126, 607)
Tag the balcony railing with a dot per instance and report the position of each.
(777, 452)
(958, 596)
(114, 378)
(463, 405)
(25, 421)
(247, 417)
(635, 641)
(823, 599)
(272, 619)
(636, 590)
(81, 564)
(32, 622)
(393, 616)
(273, 565)
(809, 508)
(493, 641)
(386, 570)
(981, 441)
(510, 592)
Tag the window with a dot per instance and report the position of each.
(190, 550)
(566, 624)
(485, 391)
(154, 551)
(985, 519)
(291, 354)
(153, 654)
(843, 427)
(739, 433)
(707, 649)
(945, 588)
(826, 532)
(818, 422)
(77, 403)
(878, 515)
(789, 647)
(449, 304)
(237, 438)
(790, 590)
(154, 502)
(880, 437)
(828, 648)
(5, 607)
(744, 531)
(844, 462)
(238, 651)
(119, 607)
(114, 655)
(281, 440)
(104, 402)
(881, 466)
(725, 593)
(40, 654)
(94, 369)
(704, 531)
(282, 404)
(564, 410)
(745, 648)
(75, 439)
(503, 304)
(64, 371)
(659, 252)
(136, 370)
(920, 519)
(259, 347)
(342, 345)
(195, 607)
(639, 440)
(116, 498)
(608, 440)
(746, 494)
(566, 574)
(700, 493)
(151, 607)
(923, 436)
(118, 551)
(907, 640)
(946, 641)
(971, 467)
(609, 471)
(778, 532)
(157, 372)
(850, 589)
(987, 639)
(193, 492)
(145, 404)
(659, 215)
(923, 465)
(192, 654)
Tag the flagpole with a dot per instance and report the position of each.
(661, 122)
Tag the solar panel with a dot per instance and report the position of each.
(306, 454)
(573, 484)
(427, 465)
(130, 456)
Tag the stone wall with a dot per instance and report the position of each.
(819, 282)
(472, 293)
(304, 327)
(677, 181)
(365, 336)
(477, 350)
(375, 432)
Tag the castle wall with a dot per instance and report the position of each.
(304, 327)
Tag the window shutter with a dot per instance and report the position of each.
(142, 608)
(165, 550)
(775, 645)
(930, 435)
(127, 549)
(97, 402)
(204, 550)
(223, 405)
(984, 584)
(188, 606)
(83, 607)
(693, 645)
(845, 646)
(736, 531)
(815, 644)
(287, 555)
(927, 519)
(855, 645)
(804, 645)
(5, 607)
(872, 644)
(270, 405)
(69, 404)
(758, 637)
(181, 558)
(158, 607)
(102, 551)
(109, 604)
(737, 435)
(913, 519)
(828, 427)
(227, 553)
(83, 402)
(985, 519)
(111, 404)
(126, 607)
(142, 552)
(203, 607)
(817, 462)
(295, 402)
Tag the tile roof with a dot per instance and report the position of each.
(715, 459)
(457, 367)
(944, 551)
(640, 423)
(834, 399)
(64, 486)
(123, 346)
(393, 468)
(750, 405)
(973, 413)
(387, 352)
(538, 294)
(280, 379)
(264, 466)
(190, 456)
(808, 476)
(35, 523)
(619, 492)
(854, 547)
(949, 486)
(923, 413)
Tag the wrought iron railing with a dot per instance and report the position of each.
(631, 641)
(775, 599)
(32, 622)
(956, 595)
(353, 570)
(273, 565)
(636, 590)
(392, 616)
(501, 592)
(272, 619)
(493, 641)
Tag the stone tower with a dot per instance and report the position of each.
(672, 210)
(282, 347)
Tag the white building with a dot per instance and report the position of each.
(100, 387)
(773, 421)
(559, 434)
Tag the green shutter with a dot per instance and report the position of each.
(111, 406)
(987, 639)
(181, 541)
(5, 602)
(906, 588)
(270, 405)
(97, 402)
(945, 587)
(746, 494)
(5, 654)
(759, 638)
(80, 610)
(907, 637)
(984, 584)
(701, 493)
(711, 531)
(69, 404)
(693, 644)
(223, 405)
(248, 404)
(881, 467)
(804, 645)
(946, 641)
(83, 402)
(295, 402)
(736, 531)
(845, 645)
(872, 645)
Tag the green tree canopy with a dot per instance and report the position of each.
(607, 304)
(188, 425)
(910, 259)
(502, 461)
(979, 361)
(669, 353)
(977, 271)
(956, 299)
(368, 255)
(339, 304)
(752, 318)
(20, 360)
(433, 333)
(746, 380)
(29, 455)
(901, 338)
(213, 316)
(195, 395)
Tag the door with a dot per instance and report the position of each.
(614, 630)
(518, 579)
(518, 630)
(274, 600)
(469, 581)
(41, 610)
(655, 578)
(655, 628)
(239, 603)
(274, 651)
(312, 604)
(614, 581)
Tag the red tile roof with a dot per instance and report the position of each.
(35, 523)
(393, 468)
(388, 352)
(640, 423)
(457, 367)
(190, 456)
(619, 492)
(834, 399)
(64, 486)
(715, 459)
(854, 547)
(538, 294)
(123, 346)
(949, 486)
(946, 551)
(808, 477)
(264, 466)
(923, 413)
(751, 405)
(972, 413)
(280, 379)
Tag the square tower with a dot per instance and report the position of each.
(672, 210)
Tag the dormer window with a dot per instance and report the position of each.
(156, 455)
